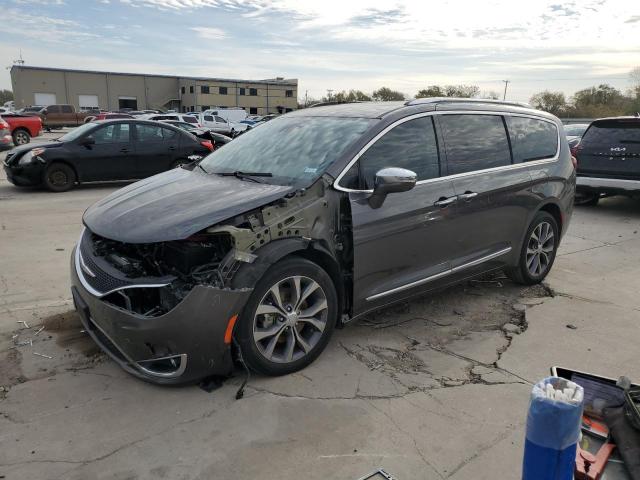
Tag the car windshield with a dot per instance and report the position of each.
(575, 130)
(77, 132)
(295, 150)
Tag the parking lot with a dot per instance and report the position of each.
(435, 388)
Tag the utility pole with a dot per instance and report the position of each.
(306, 92)
(329, 92)
(506, 82)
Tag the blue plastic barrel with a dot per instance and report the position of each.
(553, 429)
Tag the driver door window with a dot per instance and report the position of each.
(411, 145)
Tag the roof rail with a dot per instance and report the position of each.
(428, 100)
(324, 104)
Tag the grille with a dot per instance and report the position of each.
(103, 281)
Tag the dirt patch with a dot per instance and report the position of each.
(10, 371)
(70, 333)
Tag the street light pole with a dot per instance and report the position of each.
(506, 82)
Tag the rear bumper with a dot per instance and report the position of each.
(607, 184)
(181, 346)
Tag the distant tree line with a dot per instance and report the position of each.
(5, 96)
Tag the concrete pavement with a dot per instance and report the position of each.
(431, 389)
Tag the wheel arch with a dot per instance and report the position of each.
(64, 161)
(550, 207)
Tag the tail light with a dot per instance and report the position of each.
(207, 144)
(4, 125)
(574, 150)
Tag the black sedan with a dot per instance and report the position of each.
(217, 139)
(103, 151)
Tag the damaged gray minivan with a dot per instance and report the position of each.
(311, 220)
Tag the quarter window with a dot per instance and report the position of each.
(474, 142)
(411, 145)
(532, 139)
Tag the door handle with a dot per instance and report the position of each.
(466, 196)
(124, 150)
(172, 148)
(445, 202)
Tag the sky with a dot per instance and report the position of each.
(330, 44)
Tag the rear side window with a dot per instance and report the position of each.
(67, 109)
(153, 133)
(208, 118)
(53, 109)
(474, 142)
(190, 119)
(612, 133)
(220, 120)
(411, 145)
(532, 139)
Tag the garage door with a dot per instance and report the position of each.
(44, 99)
(88, 102)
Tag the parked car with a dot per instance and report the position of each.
(575, 130)
(222, 125)
(232, 115)
(23, 127)
(106, 116)
(55, 116)
(4, 110)
(5, 134)
(217, 139)
(103, 151)
(176, 117)
(33, 109)
(608, 159)
(312, 220)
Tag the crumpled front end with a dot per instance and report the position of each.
(167, 323)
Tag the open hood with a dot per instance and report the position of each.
(176, 204)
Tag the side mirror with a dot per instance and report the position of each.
(391, 180)
(88, 141)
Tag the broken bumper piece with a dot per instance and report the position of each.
(181, 346)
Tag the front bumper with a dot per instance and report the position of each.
(181, 346)
(607, 184)
(24, 176)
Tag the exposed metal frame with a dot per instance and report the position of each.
(400, 121)
(79, 261)
(445, 273)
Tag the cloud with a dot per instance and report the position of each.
(210, 33)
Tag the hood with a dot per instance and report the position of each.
(176, 204)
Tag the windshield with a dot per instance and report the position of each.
(576, 130)
(77, 132)
(295, 150)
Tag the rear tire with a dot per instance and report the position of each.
(59, 177)
(538, 251)
(275, 334)
(20, 137)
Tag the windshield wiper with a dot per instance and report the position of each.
(245, 175)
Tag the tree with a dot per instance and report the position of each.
(350, 96)
(5, 96)
(385, 94)
(490, 95)
(601, 101)
(460, 91)
(552, 102)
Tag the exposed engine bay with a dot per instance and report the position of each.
(212, 256)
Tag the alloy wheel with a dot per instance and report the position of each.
(21, 138)
(290, 319)
(58, 178)
(540, 249)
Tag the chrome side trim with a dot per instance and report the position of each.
(439, 275)
(80, 271)
(608, 182)
(514, 166)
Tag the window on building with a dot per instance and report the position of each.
(474, 142)
(411, 145)
(223, 90)
(253, 92)
(192, 108)
(182, 90)
(184, 108)
(253, 110)
(532, 139)
(190, 88)
(204, 107)
(242, 92)
(288, 93)
(204, 88)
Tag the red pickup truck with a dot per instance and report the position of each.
(22, 127)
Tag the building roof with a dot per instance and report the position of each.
(274, 81)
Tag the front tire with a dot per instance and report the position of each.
(289, 317)
(59, 177)
(538, 251)
(20, 137)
